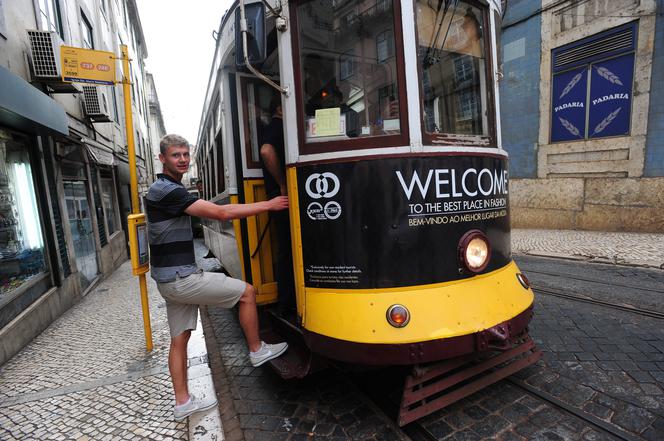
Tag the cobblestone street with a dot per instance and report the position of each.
(265, 407)
(608, 363)
(88, 376)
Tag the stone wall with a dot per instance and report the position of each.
(601, 204)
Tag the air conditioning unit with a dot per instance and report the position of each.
(95, 104)
(45, 65)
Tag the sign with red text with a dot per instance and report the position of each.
(87, 66)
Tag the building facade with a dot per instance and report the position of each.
(155, 123)
(64, 175)
(582, 113)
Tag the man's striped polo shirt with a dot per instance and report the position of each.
(169, 229)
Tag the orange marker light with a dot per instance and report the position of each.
(398, 316)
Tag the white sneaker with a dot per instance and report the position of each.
(266, 353)
(194, 405)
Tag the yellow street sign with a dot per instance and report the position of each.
(87, 66)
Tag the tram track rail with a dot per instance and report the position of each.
(581, 414)
(416, 431)
(586, 279)
(625, 308)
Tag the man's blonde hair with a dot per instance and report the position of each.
(171, 140)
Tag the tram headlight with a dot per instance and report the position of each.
(474, 251)
(398, 316)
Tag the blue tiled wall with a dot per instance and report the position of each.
(519, 89)
(654, 159)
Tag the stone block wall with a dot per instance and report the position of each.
(600, 204)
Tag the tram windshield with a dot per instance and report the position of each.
(453, 61)
(348, 69)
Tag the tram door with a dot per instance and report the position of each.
(261, 232)
(80, 225)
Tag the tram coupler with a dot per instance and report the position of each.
(432, 387)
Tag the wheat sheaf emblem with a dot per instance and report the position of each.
(571, 84)
(569, 126)
(609, 76)
(606, 121)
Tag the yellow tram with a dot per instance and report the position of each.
(398, 185)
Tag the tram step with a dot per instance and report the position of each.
(298, 361)
(432, 387)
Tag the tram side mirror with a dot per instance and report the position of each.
(256, 35)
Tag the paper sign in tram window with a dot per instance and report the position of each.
(391, 124)
(328, 121)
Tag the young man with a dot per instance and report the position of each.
(173, 266)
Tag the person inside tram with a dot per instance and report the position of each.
(321, 91)
(471, 36)
(320, 85)
(181, 283)
(273, 159)
(451, 52)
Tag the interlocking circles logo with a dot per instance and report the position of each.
(323, 186)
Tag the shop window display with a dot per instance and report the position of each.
(21, 239)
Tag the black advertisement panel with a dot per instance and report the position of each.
(397, 222)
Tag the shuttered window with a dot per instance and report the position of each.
(592, 80)
(101, 226)
(57, 215)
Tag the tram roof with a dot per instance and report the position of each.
(496, 4)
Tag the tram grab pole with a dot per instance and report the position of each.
(136, 220)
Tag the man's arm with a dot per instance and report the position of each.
(228, 212)
(271, 161)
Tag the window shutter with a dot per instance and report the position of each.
(612, 42)
(57, 215)
(103, 240)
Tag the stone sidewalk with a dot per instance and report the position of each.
(639, 249)
(88, 376)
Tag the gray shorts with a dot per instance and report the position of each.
(184, 294)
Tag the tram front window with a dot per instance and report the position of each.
(348, 69)
(452, 58)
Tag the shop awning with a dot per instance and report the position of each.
(99, 153)
(25, 108)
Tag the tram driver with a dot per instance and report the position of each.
(322, 91)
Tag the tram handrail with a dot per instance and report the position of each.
(244, 30)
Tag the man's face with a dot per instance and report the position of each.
(176, 160)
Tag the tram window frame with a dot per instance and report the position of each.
(457, 139)
(213, 171)
(219, 154)
(376, 142)
(250, 161)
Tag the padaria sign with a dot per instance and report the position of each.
(592, 99)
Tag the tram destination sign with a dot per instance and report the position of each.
(87, 66)
(398, 222)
